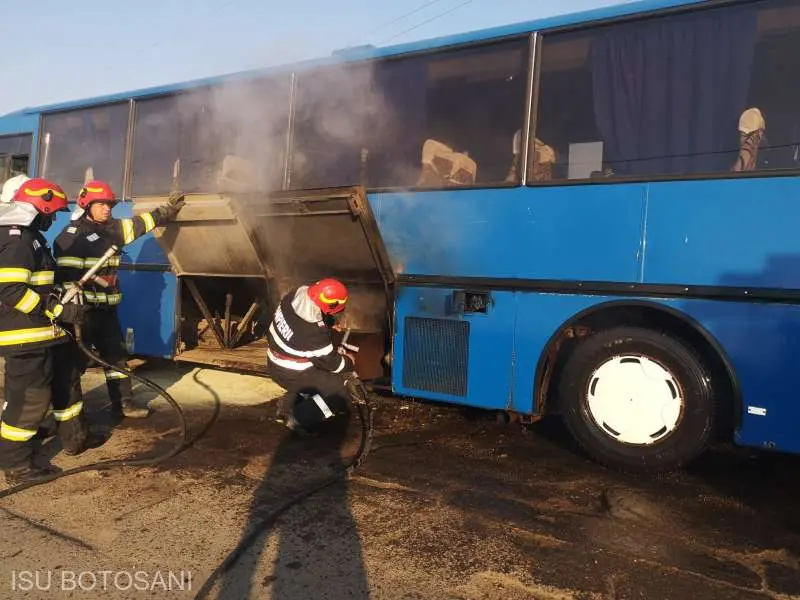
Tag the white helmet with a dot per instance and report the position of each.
(11, 186)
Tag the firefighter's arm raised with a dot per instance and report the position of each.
(127, 230)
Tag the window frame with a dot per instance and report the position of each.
(529, 37)
(12, 155)
(290, 76)
(39, 146)
(584, 27)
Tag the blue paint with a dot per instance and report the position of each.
(490, 345)
(589, 233)
(18, 122)
(725, 232)
(151, 315)
(761, 341)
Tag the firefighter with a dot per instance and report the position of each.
(31, 336)
(301, 357)
(90, 233)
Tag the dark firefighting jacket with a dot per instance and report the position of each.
(78, 248)
(297, 344)
(27, 271)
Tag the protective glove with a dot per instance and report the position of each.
(72, 314)
(172, 207)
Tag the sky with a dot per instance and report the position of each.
(86, 48)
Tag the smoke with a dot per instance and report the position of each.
(235, 134)
(233, 141)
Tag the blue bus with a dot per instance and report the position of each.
(588, 215)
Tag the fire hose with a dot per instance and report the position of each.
(366, 414)
(73, 294)
(358, 391)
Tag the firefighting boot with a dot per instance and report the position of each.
(92, 440)
(47, 429)
(283, 409)
(28, 473)
(126, 409)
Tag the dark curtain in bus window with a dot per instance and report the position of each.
(668, 93)
(85, 143)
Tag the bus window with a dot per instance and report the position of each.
(433, 120)
(331, 111)
(671, 95)
(15, 153)
(86, 143)
(229, 137)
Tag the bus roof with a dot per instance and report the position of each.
(371, 52)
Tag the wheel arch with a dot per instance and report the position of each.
(646, 313)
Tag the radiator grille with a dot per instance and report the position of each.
(435, 353)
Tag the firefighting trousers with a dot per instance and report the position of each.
(31, 381)
(101, 329)
(314, 395)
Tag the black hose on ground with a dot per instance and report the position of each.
(366, 415)
(132, 462)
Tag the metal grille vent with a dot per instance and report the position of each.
(435, 355)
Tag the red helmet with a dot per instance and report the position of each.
(96, 191)
(330, 295)
(44, 195)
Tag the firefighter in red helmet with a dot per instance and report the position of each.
(32, 339)
(90, 233)
(301, 357)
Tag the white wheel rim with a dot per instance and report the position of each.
(635, 400)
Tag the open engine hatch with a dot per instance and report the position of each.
(284, 239)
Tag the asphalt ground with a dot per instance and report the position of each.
(449, 504)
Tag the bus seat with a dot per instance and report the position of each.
(542, 162)
(751, 133)
(441, 166)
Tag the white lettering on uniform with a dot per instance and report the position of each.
(282, 325)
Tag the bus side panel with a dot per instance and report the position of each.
(148, 311)
(729, 232)
(540, 316)
(588, 233)
(150, 294)
(458, 358)
(763, 344)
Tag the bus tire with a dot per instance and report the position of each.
(637, 399)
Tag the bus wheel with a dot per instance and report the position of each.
(637, 399)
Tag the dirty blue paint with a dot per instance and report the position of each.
(761, 341)
(567, 232)
(489, 365)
